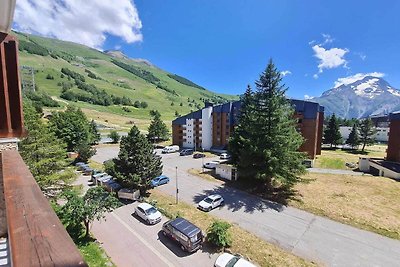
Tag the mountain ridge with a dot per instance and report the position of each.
(111, 74)
(367, 96)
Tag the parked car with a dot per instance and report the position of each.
(170, 149)
(148, 213)
(199, 155)
(189, 236)
(87, 170)
(78, 164)
(229, 260)
(185, 152)
(95, 176)
(224, 156)
(159, 180)
(129, 194)
(211, 164)
(211, 202)
(83, 166)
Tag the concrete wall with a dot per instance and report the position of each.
(206, 133)
(188, 130)
(382, 134)
(225, 171)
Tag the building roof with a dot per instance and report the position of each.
(185, 227)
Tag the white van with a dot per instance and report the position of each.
(170, 149)
(211, 164)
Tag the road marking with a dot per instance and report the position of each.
(167, 262)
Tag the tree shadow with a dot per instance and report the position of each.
(237, 199)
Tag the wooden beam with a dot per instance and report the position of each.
(36, 235)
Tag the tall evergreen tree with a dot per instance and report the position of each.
(158, 131)
(265, 143)
(367, 132)
(332, 134)
(43, 153)
(354, 139)
(242, 135)
(136, 164)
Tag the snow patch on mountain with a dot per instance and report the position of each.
(369, 88)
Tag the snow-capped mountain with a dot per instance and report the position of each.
(361, 98)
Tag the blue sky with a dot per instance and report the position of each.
(225, 45)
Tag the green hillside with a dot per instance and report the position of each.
(110, 89)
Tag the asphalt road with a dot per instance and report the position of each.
(131, 242)
(302, 233)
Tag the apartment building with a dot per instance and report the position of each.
(211, 127)
(393, 150)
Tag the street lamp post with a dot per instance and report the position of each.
(176, 178)
(202, 161)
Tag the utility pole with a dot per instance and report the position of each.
(176, 178)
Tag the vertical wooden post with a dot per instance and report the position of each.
(11, 116)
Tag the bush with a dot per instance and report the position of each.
(114, 136)
(49, 77)
(144, 104)
(218, 235)
(136, 104)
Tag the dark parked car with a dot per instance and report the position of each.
(188, 235)
(185, 152)
(199, 155)
(159, 180)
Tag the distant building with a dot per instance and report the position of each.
(210, 128)
(382, 133)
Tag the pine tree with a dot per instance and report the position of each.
(158, 131)
(43, 153)
(266, 143)
(332, 134)
(354, 139)
(242, 135)
(367, 132)
(137, 164)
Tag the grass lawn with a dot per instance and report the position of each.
(93, 254)
(244, 243)
(337, 158)
(367, 202)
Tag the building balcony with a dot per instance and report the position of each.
(35, 235)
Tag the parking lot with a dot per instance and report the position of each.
(304, 234)
(129, 241)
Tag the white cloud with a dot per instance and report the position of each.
(359, 76)
(85, 22)
(307, 97)
(315, 76)
(285, 72)
(327, 38)
(330, 58)
(361, 55)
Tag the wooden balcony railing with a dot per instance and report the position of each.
(35, 234)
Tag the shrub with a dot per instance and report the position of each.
(144, 104)
(114, 136)
(218, 235)
(49, 77)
